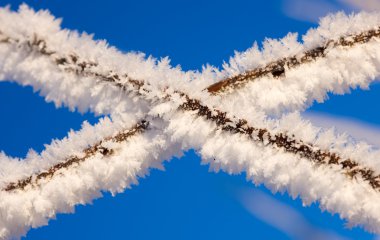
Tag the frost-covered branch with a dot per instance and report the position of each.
(289, 144)
(329, 184)
(106, 157)
(288, 75)
(279, 68)
(35, 51)
(284, 154)
(100, 148)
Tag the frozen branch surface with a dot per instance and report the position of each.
(287, 75)
(157, 110)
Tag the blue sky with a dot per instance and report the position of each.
(186, 201)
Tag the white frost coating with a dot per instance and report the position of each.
(328, 139)
(80, 184)
(336, 73)
(353, 200)
(292, 125)
(13, 169)
(300, 87)
(26, 67)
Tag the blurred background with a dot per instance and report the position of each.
(186, 201)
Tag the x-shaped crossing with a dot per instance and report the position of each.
(168, 119)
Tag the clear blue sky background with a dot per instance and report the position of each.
(185, 201)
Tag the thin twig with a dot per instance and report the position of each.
(352, 169)
(277, 69)
(89, 152)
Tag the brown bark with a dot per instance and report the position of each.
(290, 144)
(89, 152)
(278, 68)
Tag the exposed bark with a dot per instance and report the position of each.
(73, 64)
(283, 141)
(96, 149)
(278, 68)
